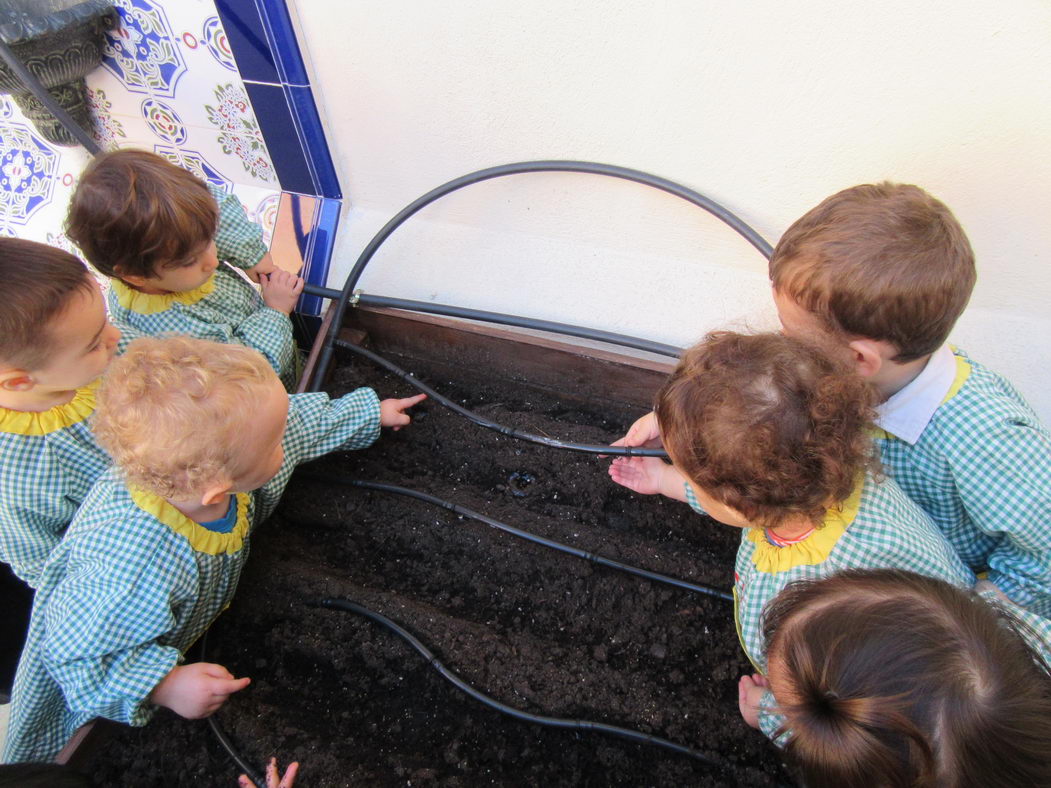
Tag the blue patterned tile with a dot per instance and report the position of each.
(248, 40)
(28, 166)
(317, 251)
(142, 51)
(283, 141)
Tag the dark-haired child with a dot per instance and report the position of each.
(162, 236)
(887, 677)
(884, 271)
(55, 341)
(769, 434)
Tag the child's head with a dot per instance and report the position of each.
(889, 678)
(54, 332)
(192, 420)
(884, 262)
(767, 426)
(140, 218)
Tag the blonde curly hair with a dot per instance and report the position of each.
(172, 412)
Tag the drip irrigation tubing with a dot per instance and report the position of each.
(556, 722)
(349, 295)
(481, 421)
(530, 537)
(224, 740)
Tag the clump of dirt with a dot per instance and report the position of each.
(539, 630)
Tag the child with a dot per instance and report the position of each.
(204, 439)
(885, 270)
(768, 434)
(55, 341)
(950, 694)
(160, 234)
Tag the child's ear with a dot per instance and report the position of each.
(16, 380)
(867, 356)
(215, 492)
(132, 279)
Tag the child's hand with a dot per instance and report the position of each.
(644, 432)
(641, 474)
(750, 690)
(281, 290)
(196, 690)
(392, 411)
(266, 265)
(273, 779)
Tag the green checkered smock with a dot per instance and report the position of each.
(228, 309)
(878, 527)
(1036, 631)
(48, 462)
(134, 583)
(982, 470)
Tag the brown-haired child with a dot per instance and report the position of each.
(161, 235)
(204, 440)
(55, 341)
(769, 434)
(885, 270)
(888, 678)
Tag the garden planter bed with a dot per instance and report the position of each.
(536, 629)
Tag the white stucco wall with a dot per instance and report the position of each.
(765, 106)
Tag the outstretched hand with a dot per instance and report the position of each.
(644, 432)
(392, 411)
(640, 474)
(273, 779)
(196, 690)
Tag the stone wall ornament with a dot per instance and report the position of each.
(59, 41)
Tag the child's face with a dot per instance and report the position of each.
(187, 277)
(262, 449)
(85, 342)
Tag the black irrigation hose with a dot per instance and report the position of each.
(224, 740)
(594, 168)
(530, 537)
(556, 722)
(626, 451)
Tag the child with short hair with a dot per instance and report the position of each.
(161, 235)
(885, 270)
(55, 341)
(769, 434)
(957, 692)
(204, 440)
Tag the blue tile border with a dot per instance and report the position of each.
(270, 62)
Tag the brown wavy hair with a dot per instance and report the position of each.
(889, 678)
(134, 212)
(769, 425)
(39, 284)
(883, 261)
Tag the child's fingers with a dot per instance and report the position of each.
(290, 775)
(408, 402)
(223, 688)
(244, 782)
(215, 671)
(297, 287)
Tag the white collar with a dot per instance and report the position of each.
(907, 413)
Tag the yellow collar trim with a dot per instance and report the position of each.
(200, 538)
(23, 422)
(152, 303)
(963, 371)
(816, 548)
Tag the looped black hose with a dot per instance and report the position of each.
(481, 421)
(530, 537)
(593, 168)
(224, 740)
(556, 722)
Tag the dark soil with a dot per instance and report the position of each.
(539, 630)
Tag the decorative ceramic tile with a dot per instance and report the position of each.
(214, 37)
(265, 215)
(164, 121)
(142, 52)
(27, 173)
(195, 163)
(239, 132)
(108, 129)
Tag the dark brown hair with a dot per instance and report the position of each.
(889, 678)
(134, 212)
(882, 261)
(39, 281)
(766, 424)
